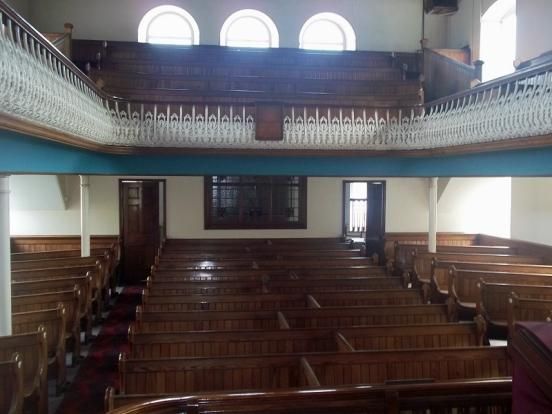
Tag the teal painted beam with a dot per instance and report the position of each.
(23, 154)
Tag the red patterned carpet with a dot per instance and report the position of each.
(99, 370)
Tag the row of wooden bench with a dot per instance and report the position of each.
(56, 294)
(299, 323)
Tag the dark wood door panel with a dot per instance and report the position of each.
(140, 228)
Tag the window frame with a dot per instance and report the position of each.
(156, 12)
(349, 35)
(274, 36)
(209, 224)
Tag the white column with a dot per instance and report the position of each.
(85, 229)
(5, 259)
(432, 233)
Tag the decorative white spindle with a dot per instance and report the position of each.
(37, 86)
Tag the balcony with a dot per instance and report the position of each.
(42, 93)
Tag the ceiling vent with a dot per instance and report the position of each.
(442, 7)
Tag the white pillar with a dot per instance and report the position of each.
(432, 233)
(85, 229)
(5, 258)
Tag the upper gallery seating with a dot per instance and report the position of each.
(155, 73)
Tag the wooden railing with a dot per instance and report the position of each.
(472, 396)
(62, 41)
(446, 73)
(511, 112)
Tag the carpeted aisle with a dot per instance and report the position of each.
(99, 369)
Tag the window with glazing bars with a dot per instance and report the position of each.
(255, 202)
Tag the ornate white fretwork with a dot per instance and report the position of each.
(38, 87)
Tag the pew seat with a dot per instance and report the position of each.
(188, 375)
(11, 386)
(33, 350)
(156, 300)
(231, 343)
(524, 309)
(464, 292)
(494, 298)
(53, 322)
(151, 321)
(71, 301)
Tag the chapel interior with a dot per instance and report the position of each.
(275, 206)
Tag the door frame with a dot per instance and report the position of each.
(343, 201)
(121, 181)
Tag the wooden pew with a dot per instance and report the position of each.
(281, 254)
(85, 285)
(241, 245)
(405, 253)
(494, 298)
(440, 270)
(54, 254)
(241, 263)
(423, 264)
(484, 396)
(290, 318)
(174, 287)
(186, 375)
(464, 293)
(524, 309)
(97, 270)
(11, 386)
(71, 301)
(217, 344)
(64, 258)
(33, 350)
(22, 244)
(154, 301)
(274, 274)
(53, 322)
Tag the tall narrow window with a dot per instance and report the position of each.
(249, 28)
(498, 39)
(253, 202)
(168, 25)
(327, 31)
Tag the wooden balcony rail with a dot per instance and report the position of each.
(43, 93)
(493, 395)
(62, 41)
(447, 73)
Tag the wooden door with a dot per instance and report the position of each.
(375, 219)
(140, 228)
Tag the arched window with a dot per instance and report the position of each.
(249, 28)
(498, 39)
(168, 25)
(327, 31)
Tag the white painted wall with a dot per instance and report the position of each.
(467, 205)
(534, 33)
(534, 30)
(532, 209)
(391, 25)
(21, 6)
(476, 205)
(42, 219)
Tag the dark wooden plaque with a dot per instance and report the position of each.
(269, 122)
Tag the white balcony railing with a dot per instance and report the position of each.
(40, 87)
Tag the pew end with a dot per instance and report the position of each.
(11, 389)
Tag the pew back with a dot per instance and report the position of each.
(182, 375)
(32, 347)
(11, 386)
